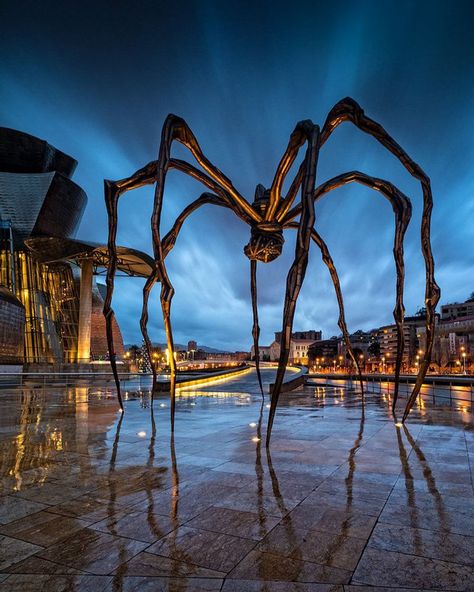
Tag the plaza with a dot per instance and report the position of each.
(345, 499)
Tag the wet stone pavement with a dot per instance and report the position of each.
(344, 501)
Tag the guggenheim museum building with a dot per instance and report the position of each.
(50, 302)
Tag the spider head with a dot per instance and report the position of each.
(266, 242)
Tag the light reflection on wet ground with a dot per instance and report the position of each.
(92, 499)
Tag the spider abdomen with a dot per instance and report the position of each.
(266, 242)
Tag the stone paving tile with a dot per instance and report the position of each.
(368, 502)
(425, 543)
(12, 508)
(362, 588)
(223, 479)
(254, 586)
(43, 529)
(140, 526)
(343, 519)
(269, 567)
(86, 508)
(258, 503)
(52, 493)
(93, 552)
(217, 551)
(248, 525)
(150, 584)
(327, 548)
(431, 516)
(36, 565)
(425, 498)
(13, 550)
(389, 568)
(149, 564)
(426, 485)
(33, 583)
(183, 507)
(212, 502)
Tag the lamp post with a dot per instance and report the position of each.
(463, 355)
(383, 364)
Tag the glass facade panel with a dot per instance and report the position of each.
(49, 295)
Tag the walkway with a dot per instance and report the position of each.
(92, 500)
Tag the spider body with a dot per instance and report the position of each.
(270, 214)
(266, 242)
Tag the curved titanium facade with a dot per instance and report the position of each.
(23, 153)
(41, 204)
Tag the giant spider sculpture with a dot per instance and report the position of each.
(268, 216)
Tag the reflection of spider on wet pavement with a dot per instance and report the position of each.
(268, 216)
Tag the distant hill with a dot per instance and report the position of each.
(181, 347)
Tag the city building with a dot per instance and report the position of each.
(264, 353)
(42, 266)
(453, 348)
(299, 345)
(387, 338)
(457, 310)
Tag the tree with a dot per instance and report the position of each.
(374, 349)
(135, 352)
(314, 351)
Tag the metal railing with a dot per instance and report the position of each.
(438, 389)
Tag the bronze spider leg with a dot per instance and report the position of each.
(295, 278)
(401, 206)
(328, 261)
(176, 129)
(154, 276)
(113, 190)
(349, 110)
(255, 327)
(297, 139)
(169, 241)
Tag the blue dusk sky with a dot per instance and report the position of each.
(97, 79)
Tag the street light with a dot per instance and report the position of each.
(463, 362)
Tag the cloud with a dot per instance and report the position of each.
(98, 84)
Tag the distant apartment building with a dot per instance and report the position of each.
(453, 346)
(300, 343)
(326, 348)
(360, 340)
(311, 335)
(263, 353)
(387, 338)
(457, 310)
